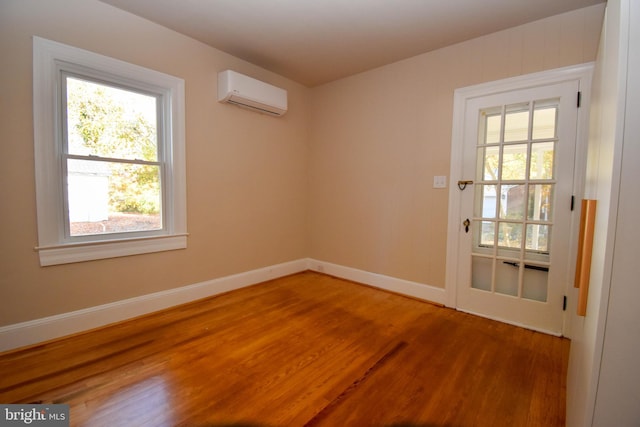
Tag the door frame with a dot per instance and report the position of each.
(583, 74)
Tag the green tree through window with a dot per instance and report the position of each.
(115, 129)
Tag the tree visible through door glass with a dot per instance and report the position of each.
(514, 191)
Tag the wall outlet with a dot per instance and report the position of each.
(440, 181)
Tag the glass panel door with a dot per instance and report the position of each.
(515, 256)
(513, 205)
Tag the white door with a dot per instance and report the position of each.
(514, 237)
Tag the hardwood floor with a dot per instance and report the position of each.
(303, 350)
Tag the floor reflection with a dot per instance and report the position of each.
(144, 403)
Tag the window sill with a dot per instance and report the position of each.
(79, 252)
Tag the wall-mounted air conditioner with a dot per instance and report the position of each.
(247, 92)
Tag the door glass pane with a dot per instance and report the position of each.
(485, 201)
(538, 237)
(516, 123)
(510, 234)
(493, 129)
(490, 126)
(482, 271)
(542, 160)
(488, 159)
(539, 205)
(534, 284)
(507, 278)
(487, 232)
(514, 162)
(544, 121)
(512, 201)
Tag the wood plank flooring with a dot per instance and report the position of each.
(304, 350)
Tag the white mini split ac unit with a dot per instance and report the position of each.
(247, 92)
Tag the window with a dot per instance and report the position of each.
(109, 156)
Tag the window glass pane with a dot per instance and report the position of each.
(539, 204)
(512, 202)
(110, 197)
(510, 234)
(488, 158)
(110, 122)
(538, 238)
(542, 156)
(485, 201)
(516, 123)
(514, 162)
(544, 122)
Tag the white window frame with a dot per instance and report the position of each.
(50, 61)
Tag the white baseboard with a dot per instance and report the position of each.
(47, 328)
(393, 284)
(510, 322)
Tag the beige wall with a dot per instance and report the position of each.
(345, 176)
(378, 139)
(246, 172)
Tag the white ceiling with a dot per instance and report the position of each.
(317, 41)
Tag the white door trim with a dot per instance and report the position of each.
(583, 74)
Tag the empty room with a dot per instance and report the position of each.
(337, 213)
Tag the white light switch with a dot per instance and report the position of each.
(439, 181)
